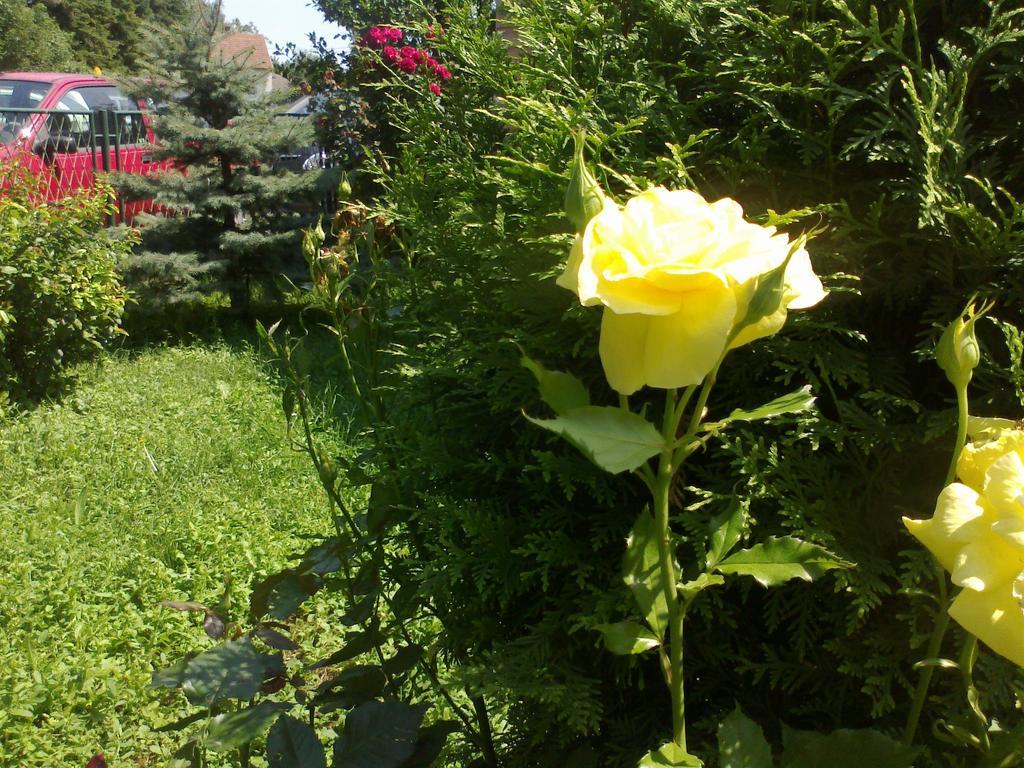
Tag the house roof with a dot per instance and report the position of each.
(248, 47)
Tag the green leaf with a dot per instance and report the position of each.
(281, 594)
(614, 439)
(356, 645)
(562, 391)
(354, 685)
(779, 559)
(293, 744)
(726, 531)
(670, 755)
(845, 749)
(641, 570)
(232, 730)
(405, 658)
(384, 509)
(431, 743)
(694, 587)
(378, 735)
(233, 670)
(794, 402)
(627, 637)
(170, 677)
(188, 755)
(741, 743)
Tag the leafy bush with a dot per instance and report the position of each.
(886, 124)
(60, 294)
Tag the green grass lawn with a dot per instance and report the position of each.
(162, 474)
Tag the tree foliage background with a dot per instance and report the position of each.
(81, 34)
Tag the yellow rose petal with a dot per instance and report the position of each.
(978, 457)
(622, 349)
(958, 518)
(570, 277)
(996, 618)
(682, 348)
(1004, 484)
(803, 288)
(988, 562)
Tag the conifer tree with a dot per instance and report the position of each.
(232, 214)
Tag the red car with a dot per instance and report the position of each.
(65, 128)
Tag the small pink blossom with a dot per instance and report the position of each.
(394, 34)
(407, 65)
(390, 54)
(407, 51)
(443, 73)
(419, 56)
(435, 89)
(431, 63)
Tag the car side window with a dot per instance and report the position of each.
(74, 126)
(123, 122)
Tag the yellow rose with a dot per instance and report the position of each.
(977, 534)
(675, 275)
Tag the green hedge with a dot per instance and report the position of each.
(60, 294)
(894, 126)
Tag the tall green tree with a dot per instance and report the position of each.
(234, 209)
(31, 39)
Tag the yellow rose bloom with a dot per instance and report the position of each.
(977, 534)
(675, 274)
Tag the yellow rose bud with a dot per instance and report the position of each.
(977, 534)
(676, 276)
(583, 197)
(957, 352)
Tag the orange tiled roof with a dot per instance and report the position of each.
(245, 46)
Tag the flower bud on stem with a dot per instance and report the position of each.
(584, 198)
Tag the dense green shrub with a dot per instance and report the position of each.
(890, 129)
(894, 127)
(60, 294)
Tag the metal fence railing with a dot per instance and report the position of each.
(66, 149)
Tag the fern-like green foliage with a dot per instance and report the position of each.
(893, 125)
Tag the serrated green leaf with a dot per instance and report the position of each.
(232, 730)
(670, 755)
(779, 559)
(627, 637)
(293, 744)
(641, 570)
(741, 743)
(232, 670)
(378, 735)
(562, 391)
(690, 589)
(794, 402)
(726, 531)
(614, 439)
(845, 749)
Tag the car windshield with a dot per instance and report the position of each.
(18, 95)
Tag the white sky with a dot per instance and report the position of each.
(283, 21)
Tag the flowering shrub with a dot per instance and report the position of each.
(676, 276)
(408, 59)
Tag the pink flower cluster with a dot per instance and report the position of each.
(407, 58)
(377, 37)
